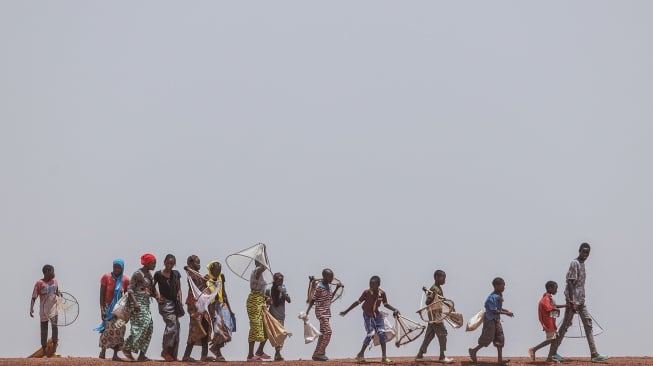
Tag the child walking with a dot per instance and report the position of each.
(47, 290)
(321, 298)
(547, 312)
(492, 330)
(435, 329)
(373, 319)
(278, 297)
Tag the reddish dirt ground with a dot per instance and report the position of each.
(460, 361)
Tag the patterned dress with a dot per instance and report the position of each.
(141, 322)
(199, 327)
(113, 335)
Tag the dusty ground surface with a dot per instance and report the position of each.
(460, 361)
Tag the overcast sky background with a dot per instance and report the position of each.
(392, 138)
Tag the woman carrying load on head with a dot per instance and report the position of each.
(220, 309)
(112, 331)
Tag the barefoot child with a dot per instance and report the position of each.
(547, 311)
(47, 290)
(371, 300)
(321, 298)
(435, 329)
(492, 330)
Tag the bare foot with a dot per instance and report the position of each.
(128, 355)
(472, 355)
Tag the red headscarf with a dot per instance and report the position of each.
(147, 258)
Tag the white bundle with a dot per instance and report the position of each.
(475, 321)
(310, 332)
(389, 330)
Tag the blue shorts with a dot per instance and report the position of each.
(374, 325)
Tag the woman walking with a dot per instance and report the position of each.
(219, 308)
(170, 306)
(112, 330)
(199, 328)
(141, 288)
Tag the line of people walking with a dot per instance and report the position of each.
(211, 325)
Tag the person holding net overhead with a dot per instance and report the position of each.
(46, 290)
(255, 302)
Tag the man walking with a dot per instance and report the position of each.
(575, 296)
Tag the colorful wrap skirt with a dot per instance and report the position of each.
(255, 303)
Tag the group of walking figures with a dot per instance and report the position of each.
(127, 299)
(212, 320)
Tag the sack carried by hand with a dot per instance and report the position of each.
(122, 309)
(475, 321)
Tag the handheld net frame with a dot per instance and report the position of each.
(192, 275)
(201, 294)
(407, 330)
(243, 263)
(67, 309)
(578, 331)
(338, 291)
(440, 310)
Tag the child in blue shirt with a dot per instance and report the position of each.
(492, 329)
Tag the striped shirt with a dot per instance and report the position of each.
(322, 300)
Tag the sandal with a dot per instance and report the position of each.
(387, 361)
(360, 359)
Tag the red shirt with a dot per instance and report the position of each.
(110, 283)
(372, 302)
(544, 309)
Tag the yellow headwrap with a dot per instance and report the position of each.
(212, 283)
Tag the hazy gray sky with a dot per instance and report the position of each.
(393, 138)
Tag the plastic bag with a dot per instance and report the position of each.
(310, 332)
(475, 321)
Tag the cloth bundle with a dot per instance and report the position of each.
(310, 332)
